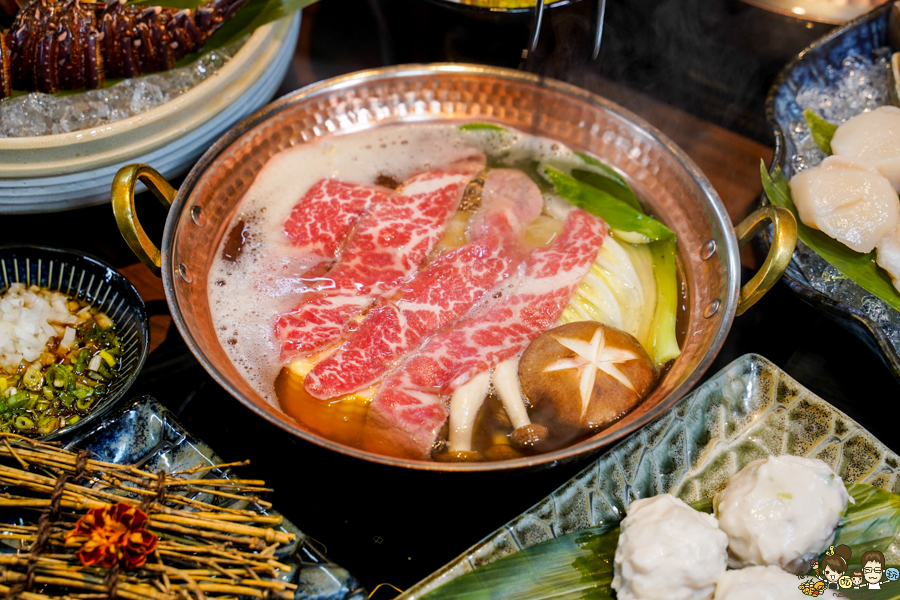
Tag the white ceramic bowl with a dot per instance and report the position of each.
(71, 170)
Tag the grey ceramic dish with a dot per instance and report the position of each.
(749, 410)
(808, 275)
(89, 279)
(144, 432)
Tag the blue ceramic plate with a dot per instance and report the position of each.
(145, 433)
(823, 66)
(749, 410)
(91, 280)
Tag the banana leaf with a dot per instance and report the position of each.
(873, 521)
(574, 566)
(579, 565)
(861, 268)
(822, 131)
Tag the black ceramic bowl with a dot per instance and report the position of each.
(91, 280)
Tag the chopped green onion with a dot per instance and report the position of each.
(22, 422)
(107, 357)
(83, 392)
(33, 380)
(47, 425)
(85, 403)
(18, 400)
(59, 377)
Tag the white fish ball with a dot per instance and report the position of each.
(668, 551)
(782, 511)
(758, 583)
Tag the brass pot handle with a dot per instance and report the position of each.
(780, 252)
(126, 219)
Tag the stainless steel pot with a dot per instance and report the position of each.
(661, 173)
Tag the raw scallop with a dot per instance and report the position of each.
(782, 511)
(888, 257)
(848, 200)
(874, 138)
(668, 551)
(758, 583)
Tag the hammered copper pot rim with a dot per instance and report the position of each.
(730, 258)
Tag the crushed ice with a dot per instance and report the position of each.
(859, 85)
(38, 114)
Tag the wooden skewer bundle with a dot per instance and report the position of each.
(205, 551)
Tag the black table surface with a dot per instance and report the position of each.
(386, 524)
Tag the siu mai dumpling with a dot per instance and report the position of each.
(888, 256)
(848, 200)
(874, 138)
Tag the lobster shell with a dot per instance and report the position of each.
(73, 45)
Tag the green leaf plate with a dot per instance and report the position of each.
(749, 410)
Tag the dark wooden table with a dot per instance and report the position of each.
(391, 525)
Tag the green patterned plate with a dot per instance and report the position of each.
(750, 410)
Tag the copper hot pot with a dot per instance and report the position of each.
(662, 174)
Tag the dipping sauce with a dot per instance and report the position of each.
(58, 357)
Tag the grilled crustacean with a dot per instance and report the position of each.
(70, 45)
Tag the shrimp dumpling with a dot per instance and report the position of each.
(874, 138)
(781, 511)
(668, 551)
(758, 583)
(848, 200)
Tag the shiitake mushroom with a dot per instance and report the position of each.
(555, 373)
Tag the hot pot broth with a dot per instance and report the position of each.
(264, 275)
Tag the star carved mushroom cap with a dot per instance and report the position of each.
(583, 376)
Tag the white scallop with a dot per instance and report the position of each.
(848, 200)
(888, 257)
(758, 583)
(782, 511)
(872, 137)
(668, 551)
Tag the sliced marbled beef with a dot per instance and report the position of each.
(390, 241)
(438, 295)
(409, 409)
(320, 221)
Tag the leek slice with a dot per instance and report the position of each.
(618, 215)
(604, 177)
(663, 344)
